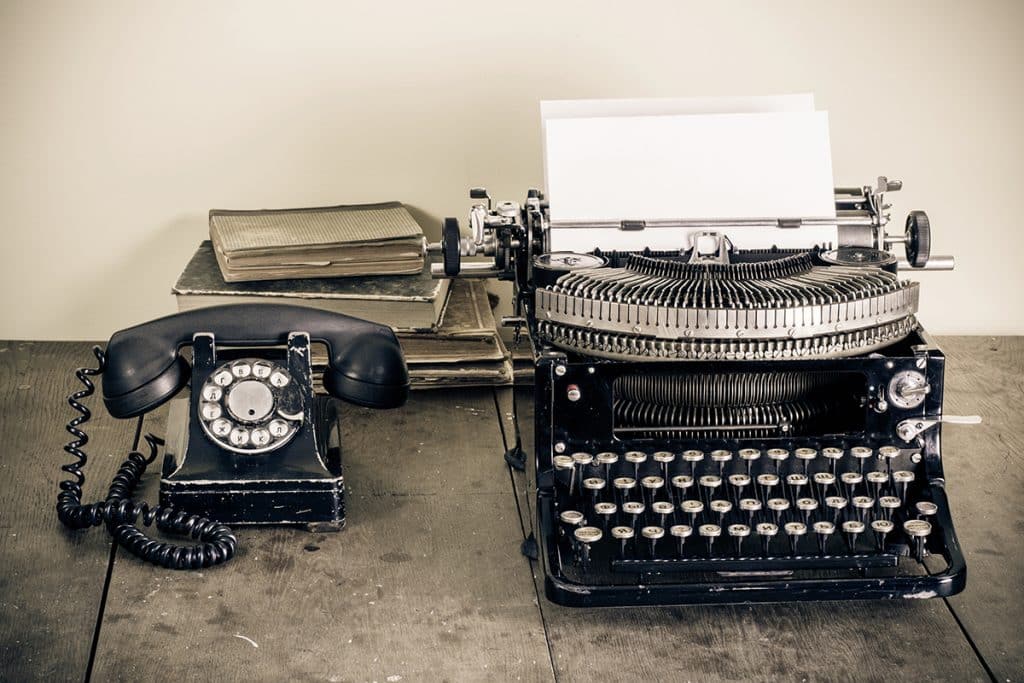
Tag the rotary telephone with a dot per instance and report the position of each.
(252, 444)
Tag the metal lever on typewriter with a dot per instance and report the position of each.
(909, 429)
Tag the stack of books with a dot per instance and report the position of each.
(328, 242)
(446, 327)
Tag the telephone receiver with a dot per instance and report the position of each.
(252, 443)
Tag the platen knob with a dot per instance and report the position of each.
(451, 246)
(918, 239)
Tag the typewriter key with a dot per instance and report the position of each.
(710, 532)
(636, 458)
(806, 506)
(681, 532)
(564, 463)
(824, 530)
(836, 504)
(926, 508)
(767, 531)
(693, 457)
(692, 508)
(751, 506)
(570, 520)
(651, 485)
(652, 534)
(882, 528)
(595, 485)
(680, 484)
(708, 484)
(860, 453)
(823, 481)
(863, 504)
(877, 480)
(778, 456)
(623, 534)
(580, 461)
(665, 458)
(834, 455)
(605, 512)
(806, 456)
(795, 530)
(624, 487)
(795, 483)
(738, 483)
(850, 482)
(739, 532)
(721, 457)
(585, 536)
(663, 510)
(720, 508)
(633, 512)
(917, 529)
(606, 460)
(749, 456)
(887, 453)
(767, 482)
(901, 480)
(889, 505)
(852, 529)
(777, 506)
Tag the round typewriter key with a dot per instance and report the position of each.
(887, 453)
(882, 528)
(876, 480)
(651, 486)
(664, 458)
(693, 457)
(710, 532)
(889, 505)
(633, 512)
(636, 458)
(833, 455)
(795, 482)
(623, 486)
(692, 508)
(721, 457)
(571, 517)
(739, 482)
(926, 508)
(623, 534)
(901, 479)
(767, 531)
(863, 504)
(806, 456)
(210, 411)
(221, 427)
(861, 453)
(582, 459)
(778, 506)
(806, 506)
(739, 532)
(917, 529)
(823, 481)
(720, 508)
(794, 530)
(778, 456)
(652, 534)
(836, 504)
(605, 512)
(681, 532)
(680, 484)
(850, 482)
(606, 460)
(749, 456)
(767, 482)
(564, 463)
(595, 485)
(708, 484)
(585, 536)
(663, 509)
(212, 392)
(751, 506)
(852, 529)
(239, 436)
(824, 530)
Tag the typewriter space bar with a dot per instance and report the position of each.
(755, 564)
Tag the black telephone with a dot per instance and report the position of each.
(252, 444)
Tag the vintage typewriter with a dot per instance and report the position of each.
(724, 424)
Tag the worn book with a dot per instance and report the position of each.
(333, 241)
(404, 302)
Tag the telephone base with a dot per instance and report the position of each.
(300, 485)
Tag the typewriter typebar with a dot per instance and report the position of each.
(722, 425)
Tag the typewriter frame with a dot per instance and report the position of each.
(558, 420)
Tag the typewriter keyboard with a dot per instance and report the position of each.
(749, 512)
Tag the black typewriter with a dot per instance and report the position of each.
(715, 424)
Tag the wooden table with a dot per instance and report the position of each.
(427, 582)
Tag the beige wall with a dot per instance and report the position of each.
(124, 122)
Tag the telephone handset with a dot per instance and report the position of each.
(252, 444)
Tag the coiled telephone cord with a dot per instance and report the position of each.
(121, 514)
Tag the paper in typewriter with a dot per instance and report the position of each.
(771, 161)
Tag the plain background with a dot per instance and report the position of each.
(123, 123)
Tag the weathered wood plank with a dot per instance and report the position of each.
(52, 578)
(795, 641)
(426, 581)
(984, 468)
